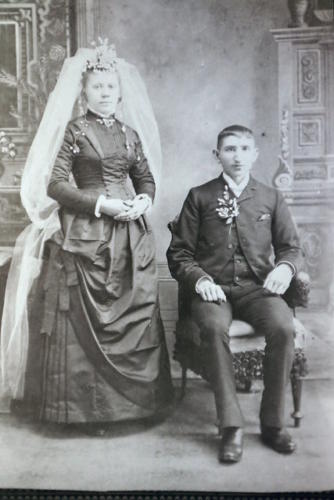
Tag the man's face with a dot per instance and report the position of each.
(237, 155)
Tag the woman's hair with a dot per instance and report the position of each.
(85, 74)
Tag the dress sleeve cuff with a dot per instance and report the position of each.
(200, 280)
(292, 267)
(100, 199)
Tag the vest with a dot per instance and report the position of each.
(237, 271)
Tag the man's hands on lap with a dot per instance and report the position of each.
(279, 279)
(209, 291)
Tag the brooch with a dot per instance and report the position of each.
(227, 206)
(108, 122)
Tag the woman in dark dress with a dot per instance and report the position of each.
(97, 350)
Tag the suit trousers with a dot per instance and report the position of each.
(269, 315)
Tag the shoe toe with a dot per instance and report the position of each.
(230, 456)
(278, 440)
(231, 446)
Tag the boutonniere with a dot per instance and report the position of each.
(227, 206)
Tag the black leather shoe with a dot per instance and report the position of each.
(278, 439)
(230, 449)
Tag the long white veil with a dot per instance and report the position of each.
(134, 110)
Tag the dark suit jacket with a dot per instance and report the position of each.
(200, 245)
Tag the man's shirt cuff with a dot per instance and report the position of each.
(202, 279)
(293, 269)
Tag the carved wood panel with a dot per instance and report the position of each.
(306, 120)
(35, 38)
(309, 76)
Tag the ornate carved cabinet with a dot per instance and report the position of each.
(306, 121)
(35, 37)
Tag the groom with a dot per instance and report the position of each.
(236, 249)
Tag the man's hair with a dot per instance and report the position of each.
(233, 130)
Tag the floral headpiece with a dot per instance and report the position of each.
(105, 59)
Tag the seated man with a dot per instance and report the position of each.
(229, 232)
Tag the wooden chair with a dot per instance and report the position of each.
(247, 347)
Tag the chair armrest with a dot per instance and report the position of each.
(298, 292)
(172, 224)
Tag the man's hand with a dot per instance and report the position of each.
(113, 206)
(135, 208)
(210, 292)
(279, 279)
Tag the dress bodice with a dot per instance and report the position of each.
(102, 155)
(107, 153)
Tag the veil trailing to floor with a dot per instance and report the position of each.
(135, 111)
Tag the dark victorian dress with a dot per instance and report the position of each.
(97, 349)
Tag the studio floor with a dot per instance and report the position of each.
(180, 453)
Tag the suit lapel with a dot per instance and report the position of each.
(249, 191)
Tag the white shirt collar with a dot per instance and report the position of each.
(236, 189)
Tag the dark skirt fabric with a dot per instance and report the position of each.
(97, 350)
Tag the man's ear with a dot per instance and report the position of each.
(215, 153)
(256, 154)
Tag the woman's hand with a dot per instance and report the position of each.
(113, 206)
(134, 209)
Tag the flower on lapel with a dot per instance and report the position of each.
(227, 206)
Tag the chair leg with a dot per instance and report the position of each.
(183, 382)
(296, 386)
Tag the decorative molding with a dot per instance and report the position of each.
(309, 76)
(307, 173)
(303, 196)
(309, 135)
(314, 34)
(284, 134)
(309, 132)
(283, 178)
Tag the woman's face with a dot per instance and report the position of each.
(102, 92)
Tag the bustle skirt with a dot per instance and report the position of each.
(97, 350)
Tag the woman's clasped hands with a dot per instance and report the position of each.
(125, 210)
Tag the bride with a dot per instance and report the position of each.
(82, 339)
